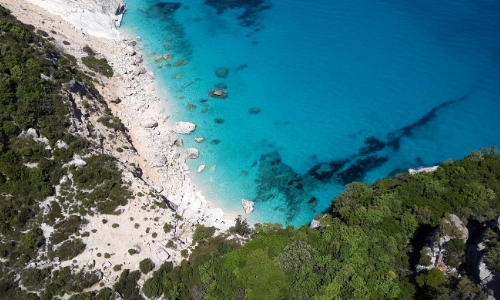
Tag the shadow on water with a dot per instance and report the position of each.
(277, 180)
(252, 8)
(175, 38)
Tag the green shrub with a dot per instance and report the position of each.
(154, 235)
(127, 285)
(168, 227)
(120, 150)
(170, 244)
(66, 43)
(69, 249)
(88, 50)
(136, 225)
(117, 268)
(241, 227)
(146, 265)
(115, 225)
(107, 255)
(132, 251)
(184, 253)
(42, 33)
(99, 65)
(201, 232)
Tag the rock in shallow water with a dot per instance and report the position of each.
(183, 127)
(222, 72)
(254, 110)
(192, 153)
(217, 93)
(247, 206)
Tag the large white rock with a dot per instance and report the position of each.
(192, 153)
(247, 206)
(99, 18)
(60, 144)
(183, 127)
(201, 168)
(149, 124)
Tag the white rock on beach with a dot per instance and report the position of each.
(201, 168)
(183, 127)
(150, 124)
(247, 206)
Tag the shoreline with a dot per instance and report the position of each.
(140, 103)
(142, 220)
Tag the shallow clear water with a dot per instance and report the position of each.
(416, 82)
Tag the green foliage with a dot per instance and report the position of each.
(240, 227)
(99, 65)
(184, 253)
(294, 256)
(146, 265)
(127, 284)
(69, 249)
(425, 258)
(167, 227)
(454, 252)
(201, 232)
(132, 251)
(117, 268)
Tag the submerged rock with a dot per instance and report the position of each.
(219, 120)
(247, 206)
(180, 62)
(215, 142)
(222, 72)
(191, 106)
(217, 93)
(201, 168)
(254, 110)
(199, 139)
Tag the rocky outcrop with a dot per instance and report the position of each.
(217, 93)
(451, 228)
(477, 266)
(247, 206)
(97, 17)
(423, 170)
(183, 127)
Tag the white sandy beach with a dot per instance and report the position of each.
(145, 114)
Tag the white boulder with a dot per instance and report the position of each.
(247, 206)
(192, 153)
(183, 127)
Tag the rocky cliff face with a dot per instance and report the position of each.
(437, 243)
(96, 17)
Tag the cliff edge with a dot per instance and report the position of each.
(99, 18)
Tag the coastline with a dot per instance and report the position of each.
(146, 116)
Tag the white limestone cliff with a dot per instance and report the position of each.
(99, 18)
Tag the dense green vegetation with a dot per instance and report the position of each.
(366, 248)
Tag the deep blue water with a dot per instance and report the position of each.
(347, 90)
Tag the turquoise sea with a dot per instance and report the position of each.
(322, 93)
